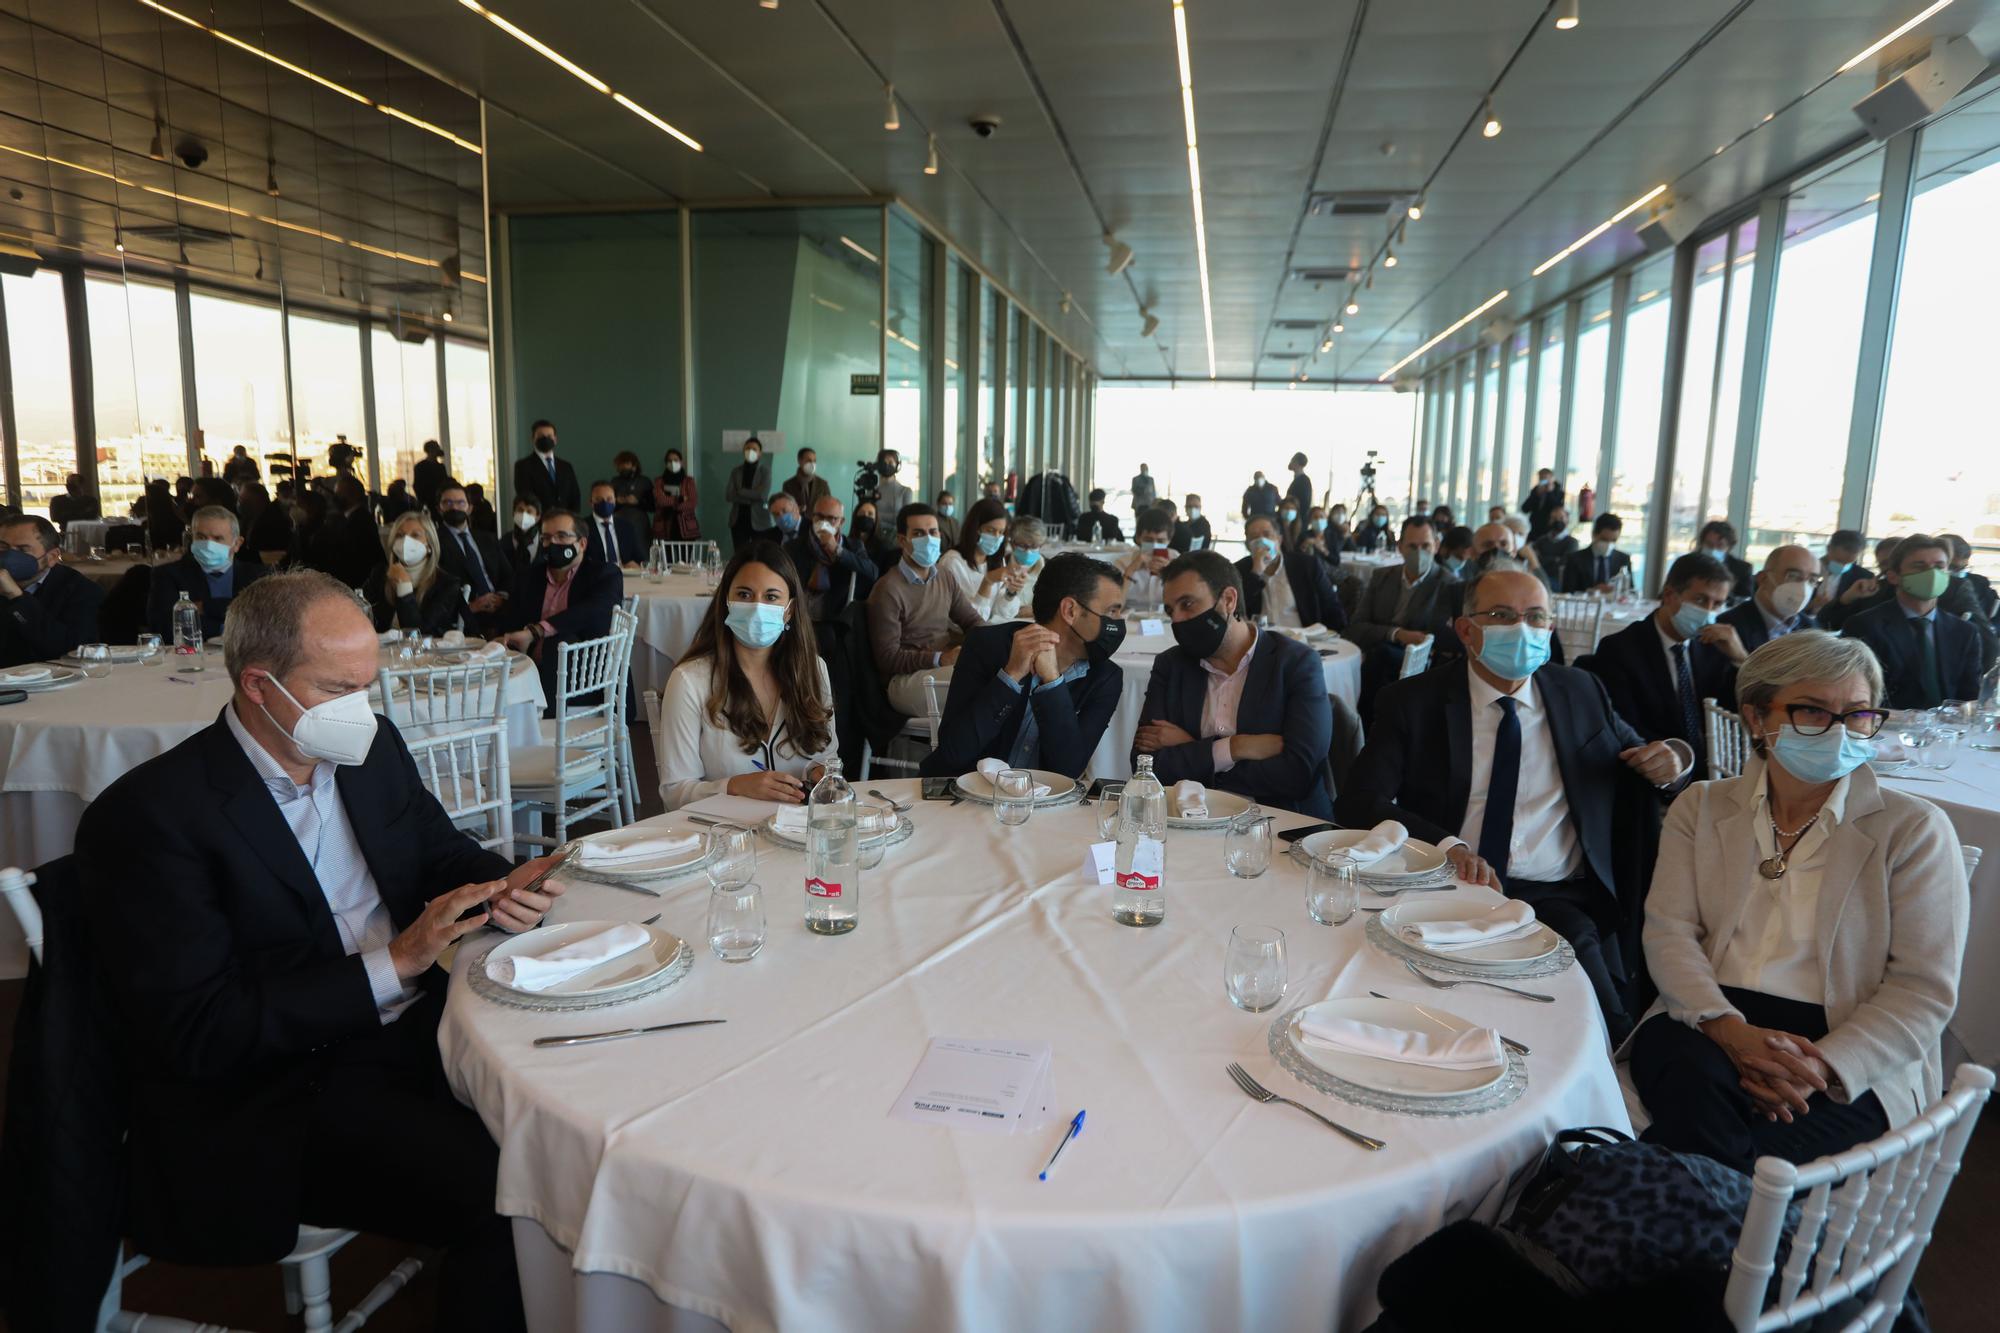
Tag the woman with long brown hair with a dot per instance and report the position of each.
(749, 709)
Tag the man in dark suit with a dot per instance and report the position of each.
(1260, 497)
(835, 569)
(1983, 596)
(1399, 608)
(1231, 707)
(618, 534)
(1555, 546)
(472, 555)
(1039, 695)
(428, 477)
(74, 503)
(274, 970)
(1542, 504)
(350, 544)
(1927, 656)
(46, 608)
(1097, 526)
(1658, 670)
(551, 480)
(1862, 590)
(1777, 602)
(564, 597)
(1594, 570)
(1841, 569)
(1193, 532)
(1717, 541)
(212, 573)
(1290, 587)
(1518, 769)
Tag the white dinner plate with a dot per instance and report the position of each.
(629, 969)
(1223, 806)
(1414, 859)
(652, 867)
(469, 646)
(975, 786)
(1527, 947)
(1394, 1076)
(58, 677)
(117, 653)
(1888, 765)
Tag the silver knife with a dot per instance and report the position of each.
(1505, 1040)
(588, 1037)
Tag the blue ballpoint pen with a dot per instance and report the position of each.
(1075, 1128)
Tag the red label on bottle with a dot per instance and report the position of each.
(819, 888)
(1132, 879)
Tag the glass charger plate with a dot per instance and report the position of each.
(1446, 878)
(483, 985)
(1502, 1094)
(652, 882)
(903, 832)
(1072, 797)
(1558, 962)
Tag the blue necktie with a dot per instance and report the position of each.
(1690, 708)
(1496, 830)
(474, 566)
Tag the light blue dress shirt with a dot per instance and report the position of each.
(1027, 751)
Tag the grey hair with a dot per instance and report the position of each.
(265, 626)
(1517, 524)
(1807, 654)
(1496, 563)
(1027, 528)
(217, 511)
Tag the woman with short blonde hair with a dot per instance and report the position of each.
(408, 590)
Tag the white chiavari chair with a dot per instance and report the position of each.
(1580, 621)
(576, 778)
(922, 729)
(625, 625)
(454, 721)
(1728, 742)
(684, 553)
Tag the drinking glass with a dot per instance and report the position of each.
(153, 648)
(97, 553)
(1107, 811)
(736, 922)
(1246, 848)
(1959, 712)
(874, 825)
(1985, 734)
(1942, 751)
(732, 856)
(1253, 969)
(1333, 894)
(95, 659)
(1013, 796)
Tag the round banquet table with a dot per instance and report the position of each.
(105, 573)
(670, 610)
(60, 748)
(1113, 757)
(750, 1174)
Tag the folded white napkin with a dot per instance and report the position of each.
(1474, 1048)
(1499, 922)
(608, 851)
(25, 675)
(991, 769)
(1317, 631)
(1381, 840)
(452, 638)
(389, 637)
(539, 972)
(1191, 799)
(1889, 750)
(491, 650)
(793, 818)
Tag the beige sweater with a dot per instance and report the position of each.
(1891, 926)
(908, 623)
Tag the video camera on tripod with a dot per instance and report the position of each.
(1364, 499)
(867, 483)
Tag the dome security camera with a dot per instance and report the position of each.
(985, 126)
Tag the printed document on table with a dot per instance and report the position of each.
(990, 1087)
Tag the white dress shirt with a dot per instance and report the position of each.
(1219, 705)
(318, 819)
(1775, 950)
(1278, 603)
(1545, 848)
(697, 757)
(607, 537)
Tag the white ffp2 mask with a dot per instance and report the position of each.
(340, 731)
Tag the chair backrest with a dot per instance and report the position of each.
(1971, 855)
(934, 696)
(685, 553)
(1416, 657)
(1866, 1217)
(1728, 742)
(1349, 735)
(14, 886)
(1580, 620)
(589, 681)
(454, 721)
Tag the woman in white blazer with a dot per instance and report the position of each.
(749, 710)
(1804, 927)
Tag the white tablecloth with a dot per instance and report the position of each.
(87, 532)
(670, 610)
(1135, 659)
(750, 1173)
(105, 573)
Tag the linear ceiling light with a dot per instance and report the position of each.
(543, 49)
(1461, 322)
(305, 73)
(622, 100)
(1597, 231)
(1194, 177)
(858, 249)
(1875, 46)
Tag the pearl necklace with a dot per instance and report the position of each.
(1775, 867)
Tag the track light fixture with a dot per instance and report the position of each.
(1339, 327)
(1489, 121)
(1326, 347)
(1353, 308)
(931, 163)
(891, 121)
(1567, 15)
(157, 149)
(1389, 260)
(447, 314)
(271, 177)
(118, 238)
(1065, 303)
(1416, 210)
(1121, 255)
(1368, 283)
(1151, 324)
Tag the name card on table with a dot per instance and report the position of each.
(990, 1087)
(1152, 625)
(1100, 862)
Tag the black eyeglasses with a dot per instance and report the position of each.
(1812, 720)
(1533, 618)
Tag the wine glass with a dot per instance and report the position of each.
(152, 649)
(732, 856)
(1253, 967)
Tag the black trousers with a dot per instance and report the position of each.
(1380, 665)
(394, 1153)
(1583, 912)
(1691, 1090)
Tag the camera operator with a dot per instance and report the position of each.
(891, 495)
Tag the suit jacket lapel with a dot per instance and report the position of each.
(1191, 689)
(1848, 851)
(1458, 746)
(249, 806)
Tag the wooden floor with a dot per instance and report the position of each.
(1954, 1279)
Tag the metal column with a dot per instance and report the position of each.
(1614, 377)
(1566, 407)
(1878, 325)
(1756, 360)
(1679, 320)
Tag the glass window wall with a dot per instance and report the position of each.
(38, 352)
(1586, 433)
(468, 392)
(326, 386)
(239, 376)
(907, 388)
(135, 367)
(1637, 455)
(406, 403)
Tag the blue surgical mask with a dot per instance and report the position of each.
(1380, 520)
(1690, 620)
(604, 508)
(1514, 652)
(755, 624)
(1454, 563)
(1194, 514)
(788, 523)
(1027, 558)
(1265, 544)
(1835, 568)
(989, 543)
(947, 510)
(211, 555)
(925, 550)
(1827, 757)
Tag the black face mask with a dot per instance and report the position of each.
(559, 556)
(864, 526)
(545, 445)
(1202, 635)
(455, 518)
(1110, 635)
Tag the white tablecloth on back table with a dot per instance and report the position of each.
(670, 610)
(750, 1173)
(1135, 658)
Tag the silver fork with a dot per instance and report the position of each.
(1430, 980)
(1257, 1092)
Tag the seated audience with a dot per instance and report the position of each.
(1984, 598)
(1490, 546)
(1555, 546)
(410, 589)
(1658, 670)
(563, 597)
(1142, 569)
(786, 518)
(1025, 536)
(209, 490)
(1374, 535)
(471, 555)
(46, 608)
(1497, 514)
(1926, 657)
(1717, 541)
(1841, 569)
(1596, 569)
(912, 613)
(1039, 694)
(1232, 707)
(618, 534)
(1960, 598)
(1290, 588)
(1095, 526)
(1516, 767)
(1777, 603)
(483, 516)
(1193, 533)
(350, 541)
(749, 709)
(523, 539)
(1454, 549)
(309, 528)
(1804, 927)
(1399, 608)
(268, 536)
(947, 508)
(834, 570)
(1864, 592)
(1443, 519)
(396, 500)
(76, 502)
(980, 563)
(212, 572)
(866, 527)
(275, 969)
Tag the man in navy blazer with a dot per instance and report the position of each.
(1658, 670)
(836, 570)
(1778, 598)
(1298, 593)
(46, 608)
(1445, 747)
(214, 535)
(1595, 567)
(561, 598)
(1230, 707)
(274, 966)
(1039, 695)
(1927, 655)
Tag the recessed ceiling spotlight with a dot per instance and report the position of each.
(891, 121)
(1567, 16)
(931, 162)
(1353, 308)
(1339, 327)
(447, 314)
(1490, 121)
